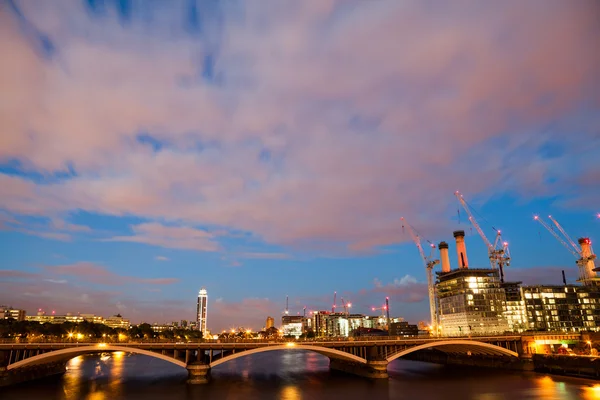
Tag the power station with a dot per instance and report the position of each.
(478, 301)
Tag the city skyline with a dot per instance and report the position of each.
(265, 151)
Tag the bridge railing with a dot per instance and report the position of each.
(273, 340)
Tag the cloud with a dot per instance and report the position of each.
(50, 228)
(177, 237)
(56, 280)
(161, 258)
(314, 124)
(94, 273)
(266, 256)
(67, 297)
(249, 313)
(405, 280)
(9, 273)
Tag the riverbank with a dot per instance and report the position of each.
(564, 365)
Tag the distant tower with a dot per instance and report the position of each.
(201, 310)
(270, 323)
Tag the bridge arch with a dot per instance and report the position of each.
(325, 351)
(67, 354)
(458, 346)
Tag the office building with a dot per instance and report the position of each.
(269, 323)
(291, 325)
(403, 329)
(9, 312)
(201, 310)
(514, 309)
(117, 321)
(567, 308)
(319, 323)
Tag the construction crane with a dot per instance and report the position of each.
(333, 307)
(498, 252)
(583, 253)
(346, 307)
(429, 264)
(385, 311)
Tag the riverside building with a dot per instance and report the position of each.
(470, 301)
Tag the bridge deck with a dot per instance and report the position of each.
(217, 345)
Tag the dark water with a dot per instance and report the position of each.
(290, 375)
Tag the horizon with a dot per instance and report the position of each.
(271, 149)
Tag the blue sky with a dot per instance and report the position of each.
(264, 149)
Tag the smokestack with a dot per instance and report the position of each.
(586, 253)
(461, 249)
(564, 278)
(387, 309)
(443, 246)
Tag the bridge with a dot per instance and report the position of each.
(363, 357)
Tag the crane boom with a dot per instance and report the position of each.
(498, 251)
(569, 240)
(429, 264)
(584, 253)
(556, 235)
(464, 205)
(334, 302)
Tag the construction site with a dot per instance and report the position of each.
(465, 301)
(479, 301)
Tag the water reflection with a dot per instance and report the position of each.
(290, 375)
(591, 392)
(290, 393)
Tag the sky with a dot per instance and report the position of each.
(269, 148)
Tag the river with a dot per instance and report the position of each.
(290, 375)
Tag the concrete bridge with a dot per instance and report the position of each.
(367, 358)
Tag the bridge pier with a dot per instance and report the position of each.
(375, 369)
(198, 373)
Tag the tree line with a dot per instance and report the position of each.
(11, 328)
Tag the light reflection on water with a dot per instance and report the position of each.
(290, 375)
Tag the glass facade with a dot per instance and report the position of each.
(567, 308)
(471, 301)
(201, 310)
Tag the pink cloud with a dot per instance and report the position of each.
(177, 237)
(94, 273)
(249, 313)
(64, 297)
(9, 273)
(383, 112)
(266, 256)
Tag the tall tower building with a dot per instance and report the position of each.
(201, 310)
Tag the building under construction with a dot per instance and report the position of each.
(470, 301)
(479, 301)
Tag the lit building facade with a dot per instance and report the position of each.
(201, 309)
(403, 329)
(291, 325)
(319, 323)
(9, 312)
(117, 321)
(568, 308)
(471, 301)
(514, 308)
(269, 323)
(337, 325)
